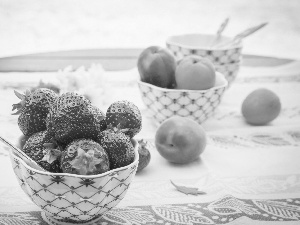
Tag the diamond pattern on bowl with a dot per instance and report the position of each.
(230, 71)
(198, 105)
(219, 53)
(71, 198)
(223, 56)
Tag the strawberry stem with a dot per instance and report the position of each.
(51, 152)
(21, 104)
(85, 162)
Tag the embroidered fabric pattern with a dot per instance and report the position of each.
(220, 211)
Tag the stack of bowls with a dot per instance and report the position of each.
(226, 59)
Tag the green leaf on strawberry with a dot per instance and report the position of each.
(51, 153)
(84, 157)
(85, 162)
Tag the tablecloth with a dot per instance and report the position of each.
(251, 174)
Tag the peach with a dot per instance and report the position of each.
(195, 73)
(180, 140)
(157, 66)
(261, 107)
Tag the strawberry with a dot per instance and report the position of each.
(33, 109)
(126, 115)
(84, 157)
(41, 148)
(50, 86)
(118, 146)
(73, 117)
(144, 155)
(21, 141)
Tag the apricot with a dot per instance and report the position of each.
(157, 65)
(180, 140)
(195, 73)
(261, 107)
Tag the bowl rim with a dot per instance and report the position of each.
(223, 85)
(136, 160)
(170, 41)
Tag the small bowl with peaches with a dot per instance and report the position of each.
(190, 87)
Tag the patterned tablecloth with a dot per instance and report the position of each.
(251, 174)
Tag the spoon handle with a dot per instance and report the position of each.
(19, 153)
(220, 31)
(242, 35)
(222, 27)
(249, 31)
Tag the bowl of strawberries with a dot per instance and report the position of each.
(88, 158)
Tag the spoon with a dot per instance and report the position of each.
(19, 153)
(220, 31)
(239, 37)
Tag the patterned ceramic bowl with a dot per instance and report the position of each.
(199, 105)
(75, 199)
(201, 44)
(229, 70)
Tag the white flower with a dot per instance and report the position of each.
(90, 82)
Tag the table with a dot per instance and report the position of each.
(251, 174)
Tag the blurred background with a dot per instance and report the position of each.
(35, 26)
